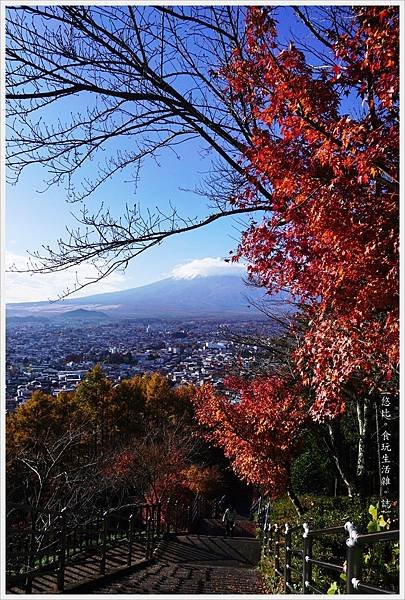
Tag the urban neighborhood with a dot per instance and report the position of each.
(54, 358)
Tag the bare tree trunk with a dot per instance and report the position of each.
(363, 409)
(294, 499)
(293, 496)
(332, 441)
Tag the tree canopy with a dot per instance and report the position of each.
(332, 236)
(95, 447)
(304, 133)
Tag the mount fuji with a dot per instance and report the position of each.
(214, 296)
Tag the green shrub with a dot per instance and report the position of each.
(381, 560)
(322, 511)
(273, 583)
(313, 471)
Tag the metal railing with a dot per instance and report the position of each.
(32, 553)
(292, 550)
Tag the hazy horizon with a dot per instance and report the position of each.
(204, 267)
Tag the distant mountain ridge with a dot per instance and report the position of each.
(82, 313)
(218, 296)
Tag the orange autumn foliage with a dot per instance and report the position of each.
(259, 428)
(326, 142)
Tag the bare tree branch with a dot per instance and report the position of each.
(152, 79)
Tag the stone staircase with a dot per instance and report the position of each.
(88, 569)
(172, 578)
(206, 562)
(197, 564)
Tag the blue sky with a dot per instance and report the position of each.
(34, 218)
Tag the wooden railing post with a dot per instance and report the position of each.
(158, 518)
(152, 520)
(181, 512)
(176, 505)
(267, 541)
(354, 559)
(104, 543)
(130, 538)
(168, 515)
(148, 540)
(288, 557)
(153, 516)
(266, 518)
(306, 556)
(269, 548)
(62, 552)
(30, 557)
(265, 538)
(28, 584)
(189, 518)
(276, 549)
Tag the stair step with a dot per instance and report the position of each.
(203, 563)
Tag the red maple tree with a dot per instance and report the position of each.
(259, 426)
(332, 239)
(326, 142)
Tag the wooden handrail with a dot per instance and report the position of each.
(68, 542)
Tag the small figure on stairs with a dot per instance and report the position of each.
(229, 520)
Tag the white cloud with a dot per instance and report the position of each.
(28, 287)
(203, 267)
